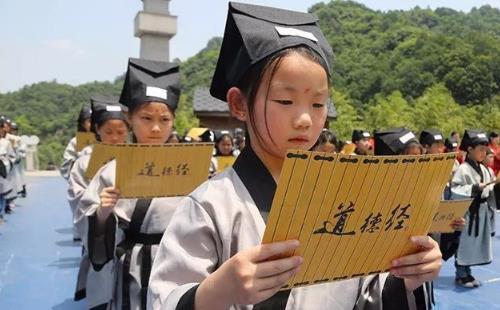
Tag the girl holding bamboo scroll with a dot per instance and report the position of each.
(273, 71)
(122, 235)
(110, 126)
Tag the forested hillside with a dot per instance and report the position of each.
(418, 68)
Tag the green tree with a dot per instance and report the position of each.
(348, 117)
(416, 68)
(389, 112)
(436, 108)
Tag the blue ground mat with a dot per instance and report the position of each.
(487, 296)
(39, 260)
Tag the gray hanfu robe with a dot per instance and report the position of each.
(77, 184)
(7, 158)
(224, 216)
(475, 245)
(17, 169)
(121, 256)
(11, 176)
(69, 157)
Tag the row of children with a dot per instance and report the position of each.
(204, 251)
(12, 151)
(431, 141)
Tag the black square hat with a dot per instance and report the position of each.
(472, 138)
(358, 135)
(85, 114)
(105, 108)
(218, 134)
(149, 80)
(254, 32)
(393, 141)
(430, 136)
(451, 143)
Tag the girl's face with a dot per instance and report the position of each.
(113, 131)
(489, 159)
(477, 153)
(292, 111)
(152, 123)
(363, 145)
(225, 146)
(413, 149)
(326, 147)
(436, 148)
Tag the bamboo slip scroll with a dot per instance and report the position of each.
(224, 162)
(152, 170)
(354, 214)
(84, 139)
(447, 211)
(102, 153)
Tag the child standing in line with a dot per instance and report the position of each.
(273, 71)
(470, 181)
(122, 235)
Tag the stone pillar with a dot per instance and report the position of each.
(31, 160)
(155, 27)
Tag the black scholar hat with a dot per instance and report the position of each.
(393, 141)
(472, 138)
(105, 108)
(254, 32)
(85, 112)
(430, 136)
(451, 143)
(358, 135)
(148, 80)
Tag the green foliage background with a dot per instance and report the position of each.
(420, 68)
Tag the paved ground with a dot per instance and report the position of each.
(39, 261)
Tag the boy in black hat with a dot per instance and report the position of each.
(432, 141)
(450, 145)
(472, 180)
(361, 138)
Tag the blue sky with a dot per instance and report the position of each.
(80, 41)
